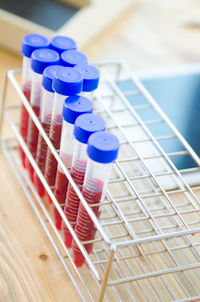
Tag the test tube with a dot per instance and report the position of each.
(71, 58)
(85, 125)
(67, 82)
(102, 150)
(40, 59)
(73, 107)
(62, 43)
(46, 106)
(90, 78)
(30, 43)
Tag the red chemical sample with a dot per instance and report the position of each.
(23, 127)
(41, 156)
(51, 162)
(73, 201)
(60, 194)
(32, 140)
(85, 228)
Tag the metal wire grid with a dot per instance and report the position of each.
(147, 245)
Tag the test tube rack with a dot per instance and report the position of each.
(147, 246)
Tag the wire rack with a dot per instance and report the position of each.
(147, 246)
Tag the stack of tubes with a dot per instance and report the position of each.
(59, 83)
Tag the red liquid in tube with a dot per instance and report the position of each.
(51, 162)
(60, 194)
(41, 156)
(73, 201)
(23, 128)
(32, 141)
(85, 228)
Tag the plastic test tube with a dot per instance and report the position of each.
(102, 150)
(46, 106)
(40, 59)
(73, 107)
(90, 78)
(67, 82)
(85, 125)
(71, 58)
(30, 43)
(62, 43)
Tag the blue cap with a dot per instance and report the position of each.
(103, 147)
(68, 81)
(90, 76)
(74, 106)
(32, 42)
(62, 43)
(86, 124)
(48, 76)
(41, 58)
(72, 58)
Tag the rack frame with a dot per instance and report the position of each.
(148, 244)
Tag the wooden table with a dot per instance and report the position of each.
(153, 34)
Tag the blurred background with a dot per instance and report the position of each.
(145, 33)
(153, 34)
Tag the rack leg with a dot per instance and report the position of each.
(103, 288)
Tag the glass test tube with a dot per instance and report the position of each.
(71, 58)
(67, 82)
(73, 107)
(102, 150)
(62, 43)
(30, 43)
(40, 59)
(90, 78)
(85, 125)
(46, 107)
